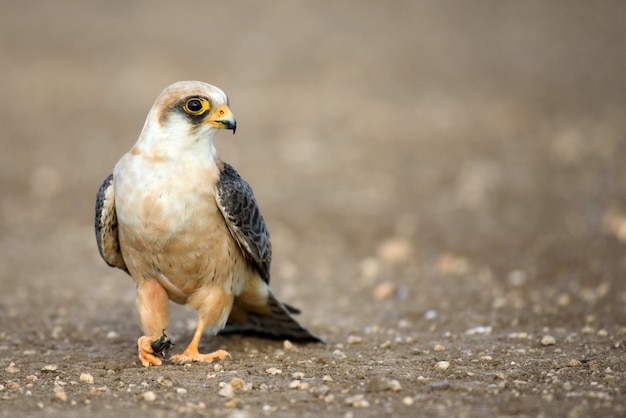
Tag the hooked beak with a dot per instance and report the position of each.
(221, 117)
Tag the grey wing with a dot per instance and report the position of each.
(106, 226)
(244, 220)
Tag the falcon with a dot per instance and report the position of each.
(187, 228)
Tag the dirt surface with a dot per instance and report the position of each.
(443, 181)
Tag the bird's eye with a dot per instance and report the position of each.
(196, 106)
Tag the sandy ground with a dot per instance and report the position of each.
(443, 181)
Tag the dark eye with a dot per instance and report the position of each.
(196, 106)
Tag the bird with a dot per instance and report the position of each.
(187, 228)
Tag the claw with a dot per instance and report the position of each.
(146, 354)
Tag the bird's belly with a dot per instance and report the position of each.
(178, 237)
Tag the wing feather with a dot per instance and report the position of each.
(244, 220)
(106, 226)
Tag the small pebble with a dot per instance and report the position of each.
(354, 339)
(60, 395)
(479, 330)
(587, 329)
(297, 375)
(226, 390)
(443, 365)
(394, 250)
(384, 290)
(440, 385)
(181, 391)
(165, 382)
(602, 333)
(237, 383)
(430, 314)
(287, 345)
(548, 340)
(149, 396)
(407, 400)
(86, 378)
(12, 369)
(386, 344)
(49, 368)
(273, 371)
(394, 385)
(295, 384)
(327, 378)
(338, 354)
(357, 401)
(439, 347)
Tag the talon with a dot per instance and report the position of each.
(146, 355)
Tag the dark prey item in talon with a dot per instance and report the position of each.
(162, 345)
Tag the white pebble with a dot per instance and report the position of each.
(12, 369)
(443, 365)
(86, 378)
(61, 395)
(548, 340)
(338, 354)
(273, 371)
(430, 314)
(226, 391)
(479, 330)
(354, 339)
(357, 401)
(149, 396)
(394, 385)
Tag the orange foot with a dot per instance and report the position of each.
(191, 355)
(146, 354)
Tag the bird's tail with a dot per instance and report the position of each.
(279, 324)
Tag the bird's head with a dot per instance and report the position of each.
(186, 113)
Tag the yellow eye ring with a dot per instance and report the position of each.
(196, 106)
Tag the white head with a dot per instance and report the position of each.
(185, 118)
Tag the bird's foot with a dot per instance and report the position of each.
(147, 355)
(190, 356)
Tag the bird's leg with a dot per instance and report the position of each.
(152, 311)
(212, 313)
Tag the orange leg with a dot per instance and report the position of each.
(153, 315)
(214, 306)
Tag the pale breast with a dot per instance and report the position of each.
(171, 230)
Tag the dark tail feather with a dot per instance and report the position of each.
(280, 325)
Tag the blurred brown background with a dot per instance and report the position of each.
(463, 158)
